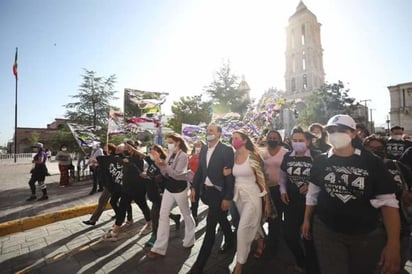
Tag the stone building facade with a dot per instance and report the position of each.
(401, 106)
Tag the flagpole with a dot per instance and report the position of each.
(15, 118)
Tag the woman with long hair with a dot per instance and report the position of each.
(272, 157)
(319, 139)
(250, 188)
(174, 168)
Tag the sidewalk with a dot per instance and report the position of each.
(72, 247)
(14, 190)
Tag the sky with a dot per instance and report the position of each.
(177, 47)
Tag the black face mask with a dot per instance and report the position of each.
(380, 152)
(273, 143)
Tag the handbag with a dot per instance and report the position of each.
(175, 186)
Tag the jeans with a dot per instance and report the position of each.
(339, 253)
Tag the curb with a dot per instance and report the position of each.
(26, 223)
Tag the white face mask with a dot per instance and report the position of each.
(397, 137)
(64, 149)
(339, 140)
(171, 148)
(210, 138)
(197, 150)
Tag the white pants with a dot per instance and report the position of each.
(168, 201)
(250, 211)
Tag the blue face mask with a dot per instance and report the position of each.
(299, 146)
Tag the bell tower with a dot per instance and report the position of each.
(304, 54)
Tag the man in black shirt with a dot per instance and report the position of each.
(396, 145)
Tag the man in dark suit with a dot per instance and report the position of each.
(216, 191)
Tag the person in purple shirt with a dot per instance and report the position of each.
(38, 173)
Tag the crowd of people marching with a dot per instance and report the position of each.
(339, 197)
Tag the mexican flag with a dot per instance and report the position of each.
(15, 65)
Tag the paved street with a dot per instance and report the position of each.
(69, 246)
(15, 190)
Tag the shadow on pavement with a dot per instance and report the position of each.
(14, 206)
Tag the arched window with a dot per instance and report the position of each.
(305, 82)
(303, 34)
(293, 63)
(293, 84)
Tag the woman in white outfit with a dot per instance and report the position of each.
(250, 188)
(175, 171)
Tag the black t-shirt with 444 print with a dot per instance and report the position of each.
(347, 186)
(298, 171)
(395, 148)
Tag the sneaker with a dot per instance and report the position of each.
(146, 229)
(150, 242)
(31, 198)
(42, 198)
(111, 236)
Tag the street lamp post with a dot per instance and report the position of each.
(387, 123)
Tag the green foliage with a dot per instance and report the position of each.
(330, 100)
(34, 137)
(93, 100)
(64, 136)
(190, 110)
(225, 92)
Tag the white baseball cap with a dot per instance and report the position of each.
(341, 120)
(38, 145)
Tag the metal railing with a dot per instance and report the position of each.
(21, 156)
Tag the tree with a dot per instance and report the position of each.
(225, 93)
(330, 100)
(93, 100)
(34, 137)
(64, 136)
(190, 110)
